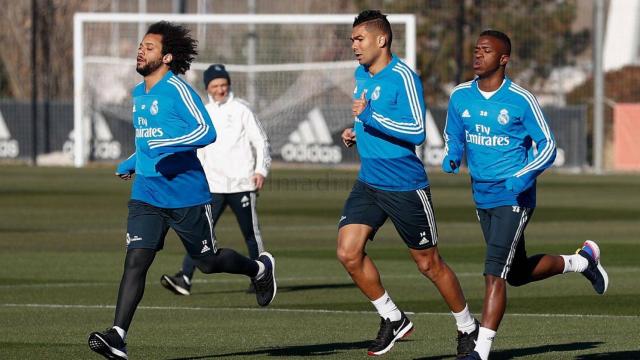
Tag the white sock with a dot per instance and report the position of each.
(386, 308)
(574, 263)
(464, 320)
(261, 269)
(121, 332)
(484, 342)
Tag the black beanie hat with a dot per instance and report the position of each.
(215, 71)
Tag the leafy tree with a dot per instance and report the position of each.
(541, 34)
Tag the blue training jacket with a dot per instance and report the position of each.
(390, 127)
(499, 135)
(170, 122)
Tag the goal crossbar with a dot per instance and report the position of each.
(80, 19)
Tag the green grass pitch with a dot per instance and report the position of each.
(62, 249)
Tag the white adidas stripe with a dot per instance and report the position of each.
(464, 85)
(417, 126)
(429, 212)
(445, 135)
(514, 243)
(541, 123)
(209, 216)
(197, 133)
(546, 153)
(313, 130)
(4, 130)
(255, 224)
(193, 109)
(412, 93)
(386, 122)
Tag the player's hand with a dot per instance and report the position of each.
(125, 176)
(515, 185)
(359, 104)
(258, 181)
(126, 169)
(450, 166)
(348, 137)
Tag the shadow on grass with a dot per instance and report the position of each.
(315, 287)
(282, 289)
(617, 355)
(301, 350)
(535, 350)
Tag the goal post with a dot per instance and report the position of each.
(295, 70)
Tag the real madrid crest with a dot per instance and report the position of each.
(154, 107)
(376, 93)
(503, 118)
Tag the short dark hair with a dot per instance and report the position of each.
(177, 42)
(500, 36)
(376, 19)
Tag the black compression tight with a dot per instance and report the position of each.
(136, 265)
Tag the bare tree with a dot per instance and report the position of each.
(56, 28)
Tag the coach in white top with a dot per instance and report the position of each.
(239, 159)
(236, 165)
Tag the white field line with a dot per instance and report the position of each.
(241, 279)
(285, 310)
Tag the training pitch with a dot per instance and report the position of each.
(62, 246)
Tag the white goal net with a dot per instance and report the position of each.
(296, 71)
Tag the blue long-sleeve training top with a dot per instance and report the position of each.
(170, 123)
(498, 135)
(390, 127)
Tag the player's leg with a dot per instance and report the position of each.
(352, 239)
(146, 230)
(180, 283)
(218, 205)
(413, 216)
(432, 266)
(136, 266)
(194, 226)
(360, 219)
(503, 229)
(244, 207)
(586, 261)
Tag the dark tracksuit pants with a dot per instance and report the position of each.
(243, 205)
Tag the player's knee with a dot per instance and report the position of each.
(349, 258)
(139, 259)
(517, 280)
(344, 256)
(432, 270)
(430, 265)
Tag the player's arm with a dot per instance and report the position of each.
(454, 140)
(202, 155)
(259, 140)
(127, 168)
(199, 130)
(406, 121)
(537, 127)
